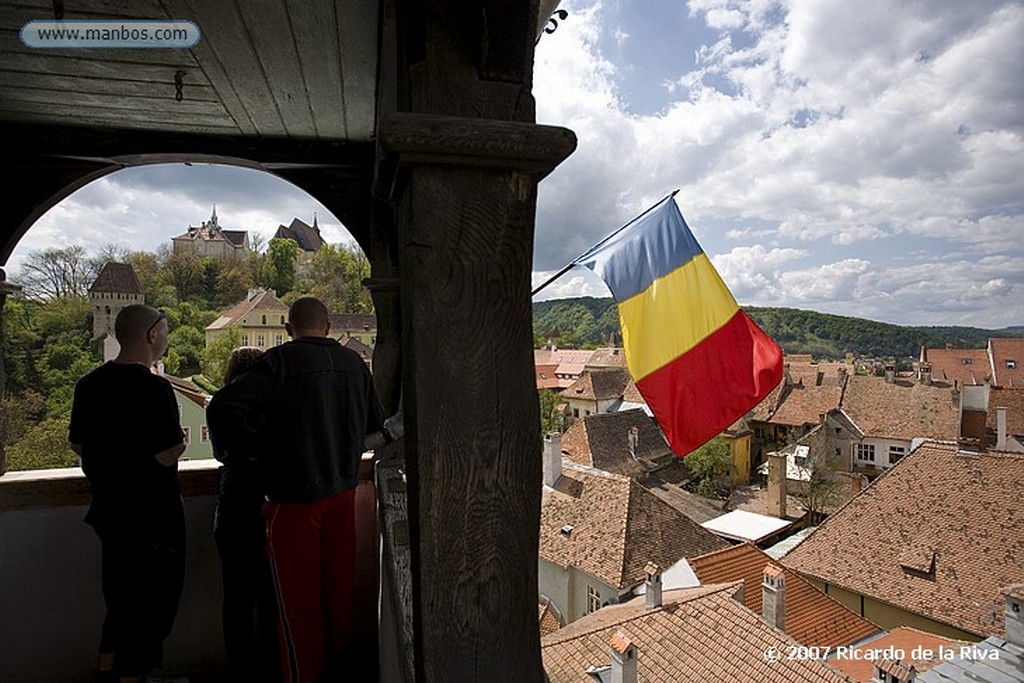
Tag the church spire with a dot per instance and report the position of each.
(213, 216)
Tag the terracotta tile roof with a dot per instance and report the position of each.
(805, 405)
(903, 638)
(607, 358)
(352, 322)
(632, 394)
(962, 515)
(1007, 356)
(617, 527)
(602, 441)
(697, 635)
(548, 617)
(545, 376)
(263, 300)
(598, 385)
(117, 277)
(1013, 400)
(812, 618)
(964, 366)
(901, 410)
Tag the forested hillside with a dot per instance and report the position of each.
(588, 322)
(46, 339)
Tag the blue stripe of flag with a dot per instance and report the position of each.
(652, 247)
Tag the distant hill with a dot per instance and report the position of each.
(589, 322)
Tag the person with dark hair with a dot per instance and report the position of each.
(125, 428)
(304, 410)
(250, 608)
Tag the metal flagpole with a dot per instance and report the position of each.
(565, 269)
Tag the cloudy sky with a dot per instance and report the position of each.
(862, 159)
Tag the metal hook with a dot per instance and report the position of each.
(179, 76)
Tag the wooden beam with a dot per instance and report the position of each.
(466, 198)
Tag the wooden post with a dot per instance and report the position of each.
(466, 201)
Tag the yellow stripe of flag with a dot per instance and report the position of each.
(673, 315)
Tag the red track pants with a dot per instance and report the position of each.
(312, 556)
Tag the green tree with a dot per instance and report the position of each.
(233, 281)
(282, 255)
(184, 271)
(63, 362)
(44, 446)
(335, 276)
(65, 314)
(22, 344)
(188, 344)
(712, 465)
(551, 419)
(216, 355)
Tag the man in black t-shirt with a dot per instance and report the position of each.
(126, 429)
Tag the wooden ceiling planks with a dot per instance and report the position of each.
(242, 78)
(358, 30)
(315, 29)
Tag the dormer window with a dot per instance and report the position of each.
(966, 361)
(1010, 364)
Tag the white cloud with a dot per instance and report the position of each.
(829, 125)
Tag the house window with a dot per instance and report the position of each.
(575, 412)
(187, 431)
(204, 434)
(260, 340)
(593, 600)
(278, 340)
(264, 320)
(245, 340)
(282, 320)
(895, 453)
(866, 452)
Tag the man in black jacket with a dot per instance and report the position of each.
(304, 410)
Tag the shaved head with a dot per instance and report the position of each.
(308, 317)
(133, 322)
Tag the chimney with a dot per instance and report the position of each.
(633, 439)
(890, 373)
(841, 373)
(552, 458)
(1015, 614)
(623, 653)
(925, 373)
(773, 596)
(787, 375)
(652, 587)
(777, 485)
(1001, 428)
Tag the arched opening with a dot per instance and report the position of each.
(293, 246)
(223, 249)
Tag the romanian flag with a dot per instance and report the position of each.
(698, 360)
